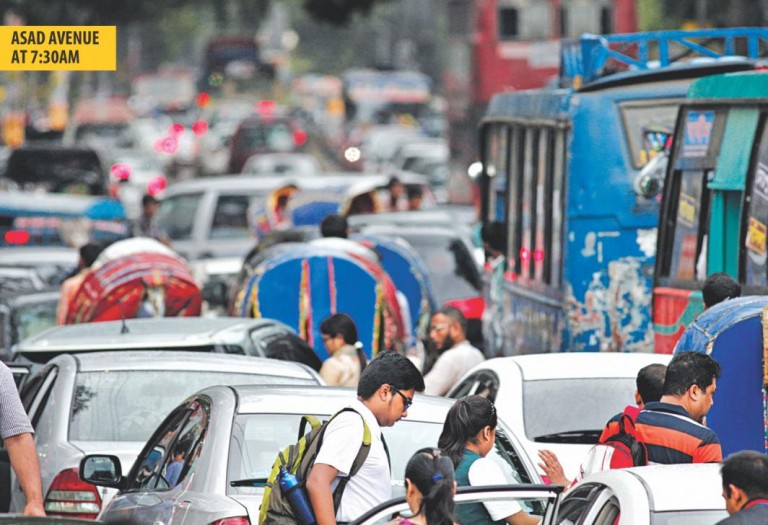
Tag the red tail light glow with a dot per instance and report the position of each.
(265, 107)
(72, 497)
(16, 237)
(237, 520)
(299, 137)
(199, 127)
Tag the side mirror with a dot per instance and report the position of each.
(649, 182)
(103, 471)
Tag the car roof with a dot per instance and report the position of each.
(21, 298)
(438, 218)
(189, 361)
(312, 400)
(702, 482)
(33, 256)
(171, 332)
(225, 184)
(575, 365)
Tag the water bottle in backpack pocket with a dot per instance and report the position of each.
(285, 500)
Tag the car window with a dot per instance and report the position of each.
(185, 452)
(176, 215)
(149, 465)
(135, 401)
(452, 271)
(31, 319)
(573, 410)
(276, 136)
(483, 383)
(609, 513)
(465, 388)
(577, 503)
(258, 438)
(230, 218)
(58, 170)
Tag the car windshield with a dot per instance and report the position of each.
(258, 438)
(31, 319)
(128, 405)
(688, 517)
(58, 171)
(453, 273)
(573, 410)
(271, 137)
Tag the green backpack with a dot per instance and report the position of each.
(298, 460)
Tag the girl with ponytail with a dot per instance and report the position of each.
(347, 360)
(469, 435)
(429, 488)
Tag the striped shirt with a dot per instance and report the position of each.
(671, 435)
(13, 418)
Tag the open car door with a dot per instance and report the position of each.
(538, 500)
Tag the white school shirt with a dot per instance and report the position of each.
(485, 471)
(372, 484)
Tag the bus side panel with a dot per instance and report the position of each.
(673, 310)
(608, 287)
(532, 323)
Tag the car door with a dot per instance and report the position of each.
(545, 498)
(34, 395)
(149, 496)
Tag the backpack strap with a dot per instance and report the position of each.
(357, 464)
(628, 419)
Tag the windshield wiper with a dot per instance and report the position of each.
(585, 437)
(253, 482)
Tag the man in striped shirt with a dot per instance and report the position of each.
(672, 428)
(16, 432)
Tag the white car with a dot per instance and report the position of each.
(656, 495)
(282, 164)
(560, 402)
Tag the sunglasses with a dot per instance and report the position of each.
(407, 401)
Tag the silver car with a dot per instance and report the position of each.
(228, 439)
(111, 403)
(230, 335)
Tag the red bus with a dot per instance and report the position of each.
(504, 45)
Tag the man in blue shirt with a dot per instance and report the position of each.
(745, 488)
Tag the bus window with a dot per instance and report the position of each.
(515, 224)
(647, 128)
(543, 199)
(756, 270)
(531, 155)
(687, 239)
(496, 169)
(554, 256)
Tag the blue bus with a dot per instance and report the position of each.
(574, 173)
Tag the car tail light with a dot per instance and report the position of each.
(17, 237)
(472, 308)
(237, 520)
(72, 497)
(299, 137)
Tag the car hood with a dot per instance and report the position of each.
(251, 503)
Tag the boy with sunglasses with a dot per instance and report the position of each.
(384, 394)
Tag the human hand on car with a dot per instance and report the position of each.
(552, 468)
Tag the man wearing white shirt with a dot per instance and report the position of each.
(448, 331)
(384, 393)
